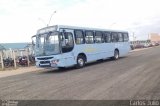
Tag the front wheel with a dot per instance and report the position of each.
(80, 61)
(61, 68)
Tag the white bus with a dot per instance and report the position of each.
(62, 46)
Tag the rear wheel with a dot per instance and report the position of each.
(116, 55)
(80, 61)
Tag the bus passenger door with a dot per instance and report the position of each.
(67, 45)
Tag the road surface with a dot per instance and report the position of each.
(136, 76)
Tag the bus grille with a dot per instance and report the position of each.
(45, 58)
(44, 62)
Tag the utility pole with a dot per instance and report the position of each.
(14, 59)
(2, 64)
(48, 21)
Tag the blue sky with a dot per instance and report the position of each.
(20, 19)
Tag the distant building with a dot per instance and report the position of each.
(154, 37)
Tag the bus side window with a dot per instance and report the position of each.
(69, 39)
(125, 37)
(89, 38)
(99, 37)
(120, 37)
(79, 37)
(107, 37)
(115, 37)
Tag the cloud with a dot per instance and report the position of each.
(107, 12)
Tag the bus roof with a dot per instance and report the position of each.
(82, 28)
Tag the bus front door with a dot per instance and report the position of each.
(67, 44)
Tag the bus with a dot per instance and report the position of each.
(62, 46)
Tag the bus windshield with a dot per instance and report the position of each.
(47, 44)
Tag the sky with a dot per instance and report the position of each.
(20, 19)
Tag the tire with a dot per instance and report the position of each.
(61, 68)
(100, 60)
(80, 61)
(116, 55)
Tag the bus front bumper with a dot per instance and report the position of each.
(48, 63)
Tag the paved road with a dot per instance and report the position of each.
(136, 76)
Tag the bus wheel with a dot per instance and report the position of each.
(80, 61)
(61, 68)
(116, 55)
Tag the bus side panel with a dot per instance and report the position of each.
(105, 50)
(124, 48)
(120, 47)
(68, 59)
(96, 51)
(109, 48)
(87, 49)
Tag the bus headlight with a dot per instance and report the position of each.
(54, 61)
